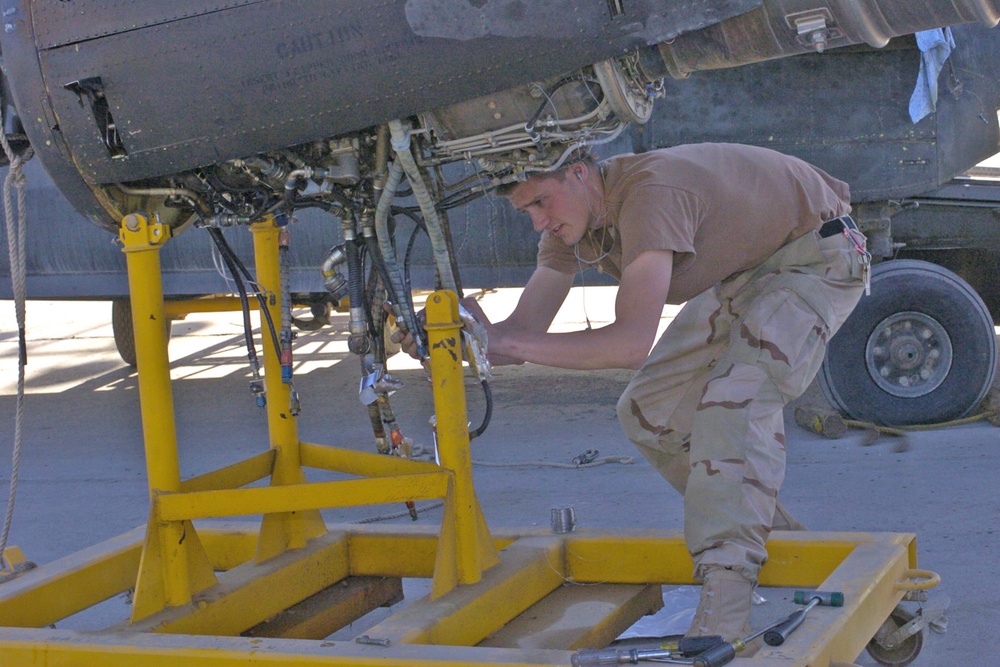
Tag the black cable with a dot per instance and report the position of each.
(217, 237)
(418, 226)
(343, 201)
(412, 214)
(357, 342)
(381, 269)
(454, 200)
(227, 250)
(460, 198)
(376, 315)
(305, 203)
(452, 260)
(488, 394)
(408, 255)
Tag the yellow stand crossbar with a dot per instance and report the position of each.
(198, 586)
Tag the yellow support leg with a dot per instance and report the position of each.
(173, 564)
(465, 548)
(286, 530)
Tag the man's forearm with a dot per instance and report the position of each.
(502, 360)
(591, 349)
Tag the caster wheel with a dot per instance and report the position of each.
(901, 654)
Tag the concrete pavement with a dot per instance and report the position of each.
(83, 473)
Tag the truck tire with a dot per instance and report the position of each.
(124, 331)
(921, 349)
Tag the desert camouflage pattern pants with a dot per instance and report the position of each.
(706, 407)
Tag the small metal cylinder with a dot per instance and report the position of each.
(563, 520)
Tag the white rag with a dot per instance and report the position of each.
(935, 47)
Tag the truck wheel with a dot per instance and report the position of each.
(123, 330)
(921, 349)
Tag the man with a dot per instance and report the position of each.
(754, 242)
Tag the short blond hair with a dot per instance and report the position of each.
(505, 189)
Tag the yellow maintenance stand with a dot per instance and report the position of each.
(269, 593)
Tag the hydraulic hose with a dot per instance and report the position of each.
(401, 144)
(227, 251)
(358, 341)
(488, 396)
(372, 246)
(450, 245)
(384, 237)
(256, 384)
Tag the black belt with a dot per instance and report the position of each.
(836, 226)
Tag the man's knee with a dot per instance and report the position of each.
(640, 427)
(634, 423)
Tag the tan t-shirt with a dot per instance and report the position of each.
(721, 208)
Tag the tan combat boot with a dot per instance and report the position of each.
(724, 608)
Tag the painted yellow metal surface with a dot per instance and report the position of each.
(251, 593)
(199, 586)
(871, 569)
(333, 608)
(361, 463)
(232, 476)
(466, 548)
(284, 529)
(578, 617)
(288, 498)
(172, 566)
(60, 589)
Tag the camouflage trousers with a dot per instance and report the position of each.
(706, 407)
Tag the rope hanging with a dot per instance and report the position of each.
(15, 225)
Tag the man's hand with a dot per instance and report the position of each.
(404, 338)
(472, 305)
(624, 343)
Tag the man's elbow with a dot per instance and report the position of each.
(635, 356)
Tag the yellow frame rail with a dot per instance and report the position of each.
(199, 586)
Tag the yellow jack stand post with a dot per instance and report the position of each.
(212, 594)
(286, 530)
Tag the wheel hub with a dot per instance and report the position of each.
(909, 354)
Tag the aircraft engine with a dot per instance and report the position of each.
(205, 109)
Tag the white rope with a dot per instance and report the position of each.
(396, 515)
(18, 274)
(588, 459)
(624, 460)
(591, 462)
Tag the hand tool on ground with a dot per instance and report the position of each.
(774, 634)
(777, 634)
(673, 651)
(724, 652)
